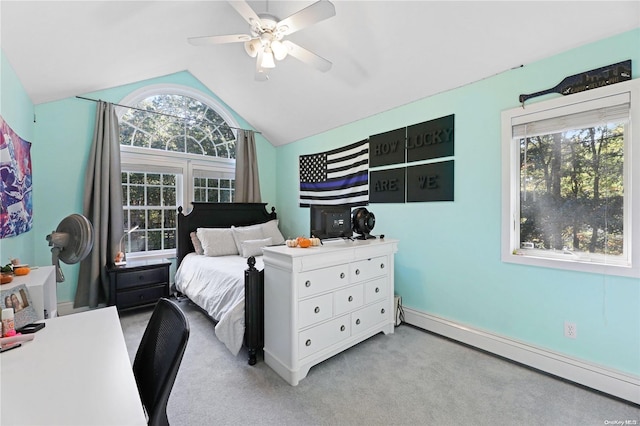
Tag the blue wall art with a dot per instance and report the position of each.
(16, 206)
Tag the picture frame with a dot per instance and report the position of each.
(19, 299)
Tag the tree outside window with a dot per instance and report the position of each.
(567, 196)
(177, 146)
(572, 190)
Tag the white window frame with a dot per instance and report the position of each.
(511, 251)
(187, 165)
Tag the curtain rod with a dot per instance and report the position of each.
(162, 113)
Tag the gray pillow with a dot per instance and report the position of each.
(244, 233)
(270, 229)
(217, 241)
(197, 245)
(254, 247)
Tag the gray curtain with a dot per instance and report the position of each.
(103, 207)
(247, 182)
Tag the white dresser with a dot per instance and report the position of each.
(41, 282)
(319, 301)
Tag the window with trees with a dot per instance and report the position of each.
(177, 146)
(568, 164)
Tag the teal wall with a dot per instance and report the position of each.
(449, 260)
(449, 263)
(17, 111)
(64, 131)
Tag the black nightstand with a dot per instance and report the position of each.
(138, 283)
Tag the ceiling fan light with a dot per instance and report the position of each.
(279, 50)
(251, 47)
(267, 59)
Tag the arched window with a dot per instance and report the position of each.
(177, 146)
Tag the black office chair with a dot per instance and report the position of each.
(158, 358)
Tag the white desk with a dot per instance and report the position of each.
(75, 372)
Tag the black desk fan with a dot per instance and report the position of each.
(363, 221)
(72, 241)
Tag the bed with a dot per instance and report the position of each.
(227, 287)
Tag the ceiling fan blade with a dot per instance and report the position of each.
(307, 56)
(231, 38)
(318, 11)
(246, 12)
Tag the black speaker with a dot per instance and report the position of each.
(362, 222)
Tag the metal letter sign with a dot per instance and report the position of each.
(387, 148)
(431, 139)
(387, 186)
(430, 182)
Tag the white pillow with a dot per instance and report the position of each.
(270, 229)
(217, 241)
(244, 233)
(254, 247)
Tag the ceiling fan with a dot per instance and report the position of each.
(266, 39)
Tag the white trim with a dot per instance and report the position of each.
(185, 165)
(612, 382)
(66, 308)
(152, 255)
(592, 104)
(138, 95)
(630, 265)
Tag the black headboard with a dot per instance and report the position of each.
(217, 215)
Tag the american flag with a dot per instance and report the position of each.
(340, 176)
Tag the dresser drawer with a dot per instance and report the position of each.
(376, 289)
(317, 338)
(319, 280)
(369, 317)
(311, 311)
(362, 270)
(127, 299)
(348, 299)
(139, 278)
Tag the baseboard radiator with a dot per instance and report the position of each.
(612, 382)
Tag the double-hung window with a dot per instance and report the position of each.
(571, 190)
(177, 145)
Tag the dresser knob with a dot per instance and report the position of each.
(317, 309)
(357, 271)
(382, 266)
(358, 321)
(308, 342)
(382, 311)
(342, 275)
(377, 289)
(307, 284)
(342, 328)
(350, 298)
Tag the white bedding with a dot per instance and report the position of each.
(216, 284)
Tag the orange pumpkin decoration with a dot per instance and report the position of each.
(5, 278)
(304, 242)
(23, 270)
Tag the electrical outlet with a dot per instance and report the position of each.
(570, 330)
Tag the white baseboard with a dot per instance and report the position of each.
(66, 308)
(612, 382)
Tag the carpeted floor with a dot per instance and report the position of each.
(409, 378)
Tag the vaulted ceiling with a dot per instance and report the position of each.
(384, 53)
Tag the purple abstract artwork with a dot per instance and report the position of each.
(15, 183)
